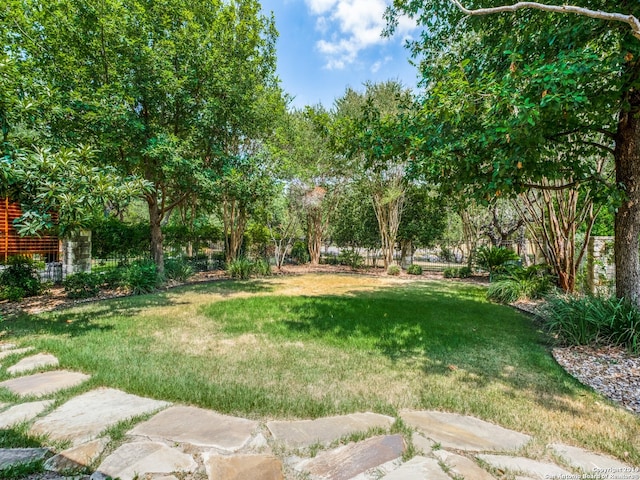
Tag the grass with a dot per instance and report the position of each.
(316, 345)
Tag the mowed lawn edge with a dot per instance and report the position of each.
(322, 344)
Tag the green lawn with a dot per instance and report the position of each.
(315, 345)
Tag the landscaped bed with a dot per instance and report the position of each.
(315, 345)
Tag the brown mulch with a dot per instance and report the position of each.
(611, 371)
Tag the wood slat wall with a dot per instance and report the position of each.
(13, 244)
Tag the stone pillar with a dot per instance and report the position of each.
(76, 253)
(601, 268)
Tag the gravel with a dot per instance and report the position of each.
(610, 371)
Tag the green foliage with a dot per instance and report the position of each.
(423, 217)
(141, 277)
(20, 279)
(393, 270)
(517, 283)
(414, 269)
(244, 268)
(350, 258)
(178, 269)
(457, 272)
(300, 253)
(82, 285)
(112, 238)
(494, 259)
(113, 278)
(591, 320)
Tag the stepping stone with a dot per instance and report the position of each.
(461, 432)
(418, 468)
(422, 443)
(76, 458)
(525, 466)
(344, 463)
(7, 346)
(243, 467)
(82, 418)
(304, 433)
(12, 457)
(42, 384)
(33, 362)
(199, 427)
(23, 413)
(462, 466)
(591, 462)
(4, 353)
(134, 460)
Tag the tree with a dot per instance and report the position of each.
(302, 155)
(371, 131)
(163, 88)
(529, 87)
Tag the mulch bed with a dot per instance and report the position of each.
(611, 371)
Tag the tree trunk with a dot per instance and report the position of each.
(155, 220)
(314, 235)
(627, 219)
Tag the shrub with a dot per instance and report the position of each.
(495, 259)
(20, 279)
(393, 270)
(261, 267)
(141, 277)
(457, 272)
(591, 320)
(177, 269)
(300, 253)
(241, 268)
(414, 269)
(113, 278)
(351, 258)
(519, 283)
(82, 285)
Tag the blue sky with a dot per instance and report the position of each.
(327, 45)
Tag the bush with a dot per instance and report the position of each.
(495, 259)
(141, 277)
(519, 283)
(393, 270)
(261, 267)
(177, 269)
(591, 320)
(82, 285)
(414, 269)
(351, 258)
(113, 278)
(20, 279)
(300, 253)
(457, 272)
(241, 268)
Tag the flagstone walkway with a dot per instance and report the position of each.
(179, 442)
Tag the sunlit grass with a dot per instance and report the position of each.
(315, 345)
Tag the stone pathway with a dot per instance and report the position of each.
(178, 442)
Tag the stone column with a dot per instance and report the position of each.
(601, 268)
(76, 253)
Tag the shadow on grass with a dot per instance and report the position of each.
(442, 330)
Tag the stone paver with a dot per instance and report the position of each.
(525, 466)
(304, 433)
(243, 467)
(462, 466)
(591, 462)
(42, 384)
(344, 463)
(4, 353)
(23, 412)
(134, 460)
(418, 468)
(422, 443)
(82, 418)
(76, 458)
(460, 432)
(33, 362)
(10, 457)
(199, 427)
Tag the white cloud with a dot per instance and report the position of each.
(349, 27)
(378, 65)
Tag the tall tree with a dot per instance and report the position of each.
(371, 130)
(528, 86)
(163, 88)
